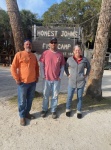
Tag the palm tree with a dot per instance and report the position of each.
(15, 22)
(100, 48)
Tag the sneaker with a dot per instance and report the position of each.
(79, 115)
(68, 114)
(43, 114)
(54, 115)
(22, 122)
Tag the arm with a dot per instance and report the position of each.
(88, 67)
(42, 70)
(15, 69)
(66, 68)
(37, 70)
(42, 65)
(61, 72)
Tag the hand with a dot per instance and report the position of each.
(18, 82)
(59, 79)
(69, 76)
(85, 76)
(37, 80)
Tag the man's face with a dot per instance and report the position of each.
(28, 46)
(53, 45)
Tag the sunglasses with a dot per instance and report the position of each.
(53, 42)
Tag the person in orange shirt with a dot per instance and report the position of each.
(25, 71)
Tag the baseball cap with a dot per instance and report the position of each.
(54, 39)
(27, 40)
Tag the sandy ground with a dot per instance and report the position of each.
(92, 132)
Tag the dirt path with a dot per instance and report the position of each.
(92, 132)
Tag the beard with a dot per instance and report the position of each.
(28, 50)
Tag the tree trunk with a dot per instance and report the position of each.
(100, 47)
(15, 22)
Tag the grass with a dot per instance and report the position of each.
(88, 102)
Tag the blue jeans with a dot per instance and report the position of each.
(26, 92)
(70, 96)
(50, 87)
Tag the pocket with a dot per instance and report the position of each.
(59, 60)
(80, 77)
(24, 60)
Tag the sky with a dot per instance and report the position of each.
(35, 6)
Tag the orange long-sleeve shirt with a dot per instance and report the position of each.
(25, 67)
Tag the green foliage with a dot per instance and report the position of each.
(51, 15)
(74, 12)
(4, 28)
(28, 19)
(91, 9)
(4, 21)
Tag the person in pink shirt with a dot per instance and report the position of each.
(52, 68)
